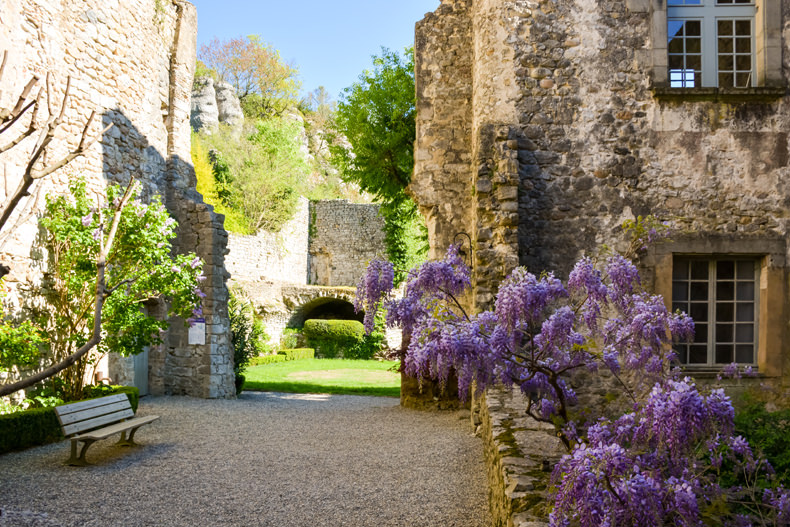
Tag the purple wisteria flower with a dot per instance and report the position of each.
(87, 219)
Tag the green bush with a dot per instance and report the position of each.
(298, 353)
(768, 433)
(39, 426)
(290, 338)
(341, 339)
(267, 359)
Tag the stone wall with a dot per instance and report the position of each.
(344, 238)
(569, 136)
(520, 454)
(274, 256)
(133, 62)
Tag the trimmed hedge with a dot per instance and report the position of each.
(39, 426)
(298, 353)
(267, 359)
(341, 339)
(283, 356)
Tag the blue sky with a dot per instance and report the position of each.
(330, 41)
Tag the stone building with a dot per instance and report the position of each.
(133, 62)
(543, 124)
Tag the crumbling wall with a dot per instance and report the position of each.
(133, 62)
(344, 238)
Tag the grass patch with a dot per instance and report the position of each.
(335, 376)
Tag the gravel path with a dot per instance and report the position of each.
(266, 459)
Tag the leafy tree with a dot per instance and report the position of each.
(265, 84)
(261, 174)
(376, 115)
(139, 267)
(374, 147)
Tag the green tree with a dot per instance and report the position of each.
(261, 174)
(373, 146)
(130, 240)
(376, 116)
(265, 84)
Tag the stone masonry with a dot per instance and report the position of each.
(316, 257)
(133, 62)
(543, 124)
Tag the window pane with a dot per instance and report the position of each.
(746, 270)
(743, 28)
(698, 355)
(744, 333)
(700, 333)
(680, 269)
(743, 80)
(676, 46)
(743, 62)
(693, 28)
(694, 62)
(725, 270)
(682, 352)
(745, 312)
(693, 45)
(744, 353)
(743, 45)
(676, 62)
(699, 270)
(726, 80)
(725, 45)
(725, 312)
(725, 28)
(726, 63)
(674, 29)
(723, 353)
(745, 290)
(725, 291)
(680, 291)
(724, 333)
(699, 312)
(699, 291)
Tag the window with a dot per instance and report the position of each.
(728, 48)
(721, 295)
(711, 43)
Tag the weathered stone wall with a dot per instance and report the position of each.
(520, 454)
(344, 237)
(133, 62)
(443, 150)
(569, 137)
(274, 256)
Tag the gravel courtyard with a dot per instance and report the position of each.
(266, 459)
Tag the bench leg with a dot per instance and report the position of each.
(79, 461)
(127, 441)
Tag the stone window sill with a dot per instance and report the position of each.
(754, 95)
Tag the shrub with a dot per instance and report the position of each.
(335, 338)
(290, 338)
(769, 434)
(267, 359)
(247, 337)
(297, 354)
(39, 426)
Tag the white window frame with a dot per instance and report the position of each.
(712, 302)
(768, 45)
(709, 12)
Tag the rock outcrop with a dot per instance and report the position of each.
(214, 103)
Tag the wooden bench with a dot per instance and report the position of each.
(98, 419)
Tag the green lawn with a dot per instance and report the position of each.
(338, 376)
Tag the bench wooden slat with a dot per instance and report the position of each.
(117, 428)
(90, 413)
(91, 403)
(97, 422)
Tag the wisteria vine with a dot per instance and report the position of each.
(673, 460)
